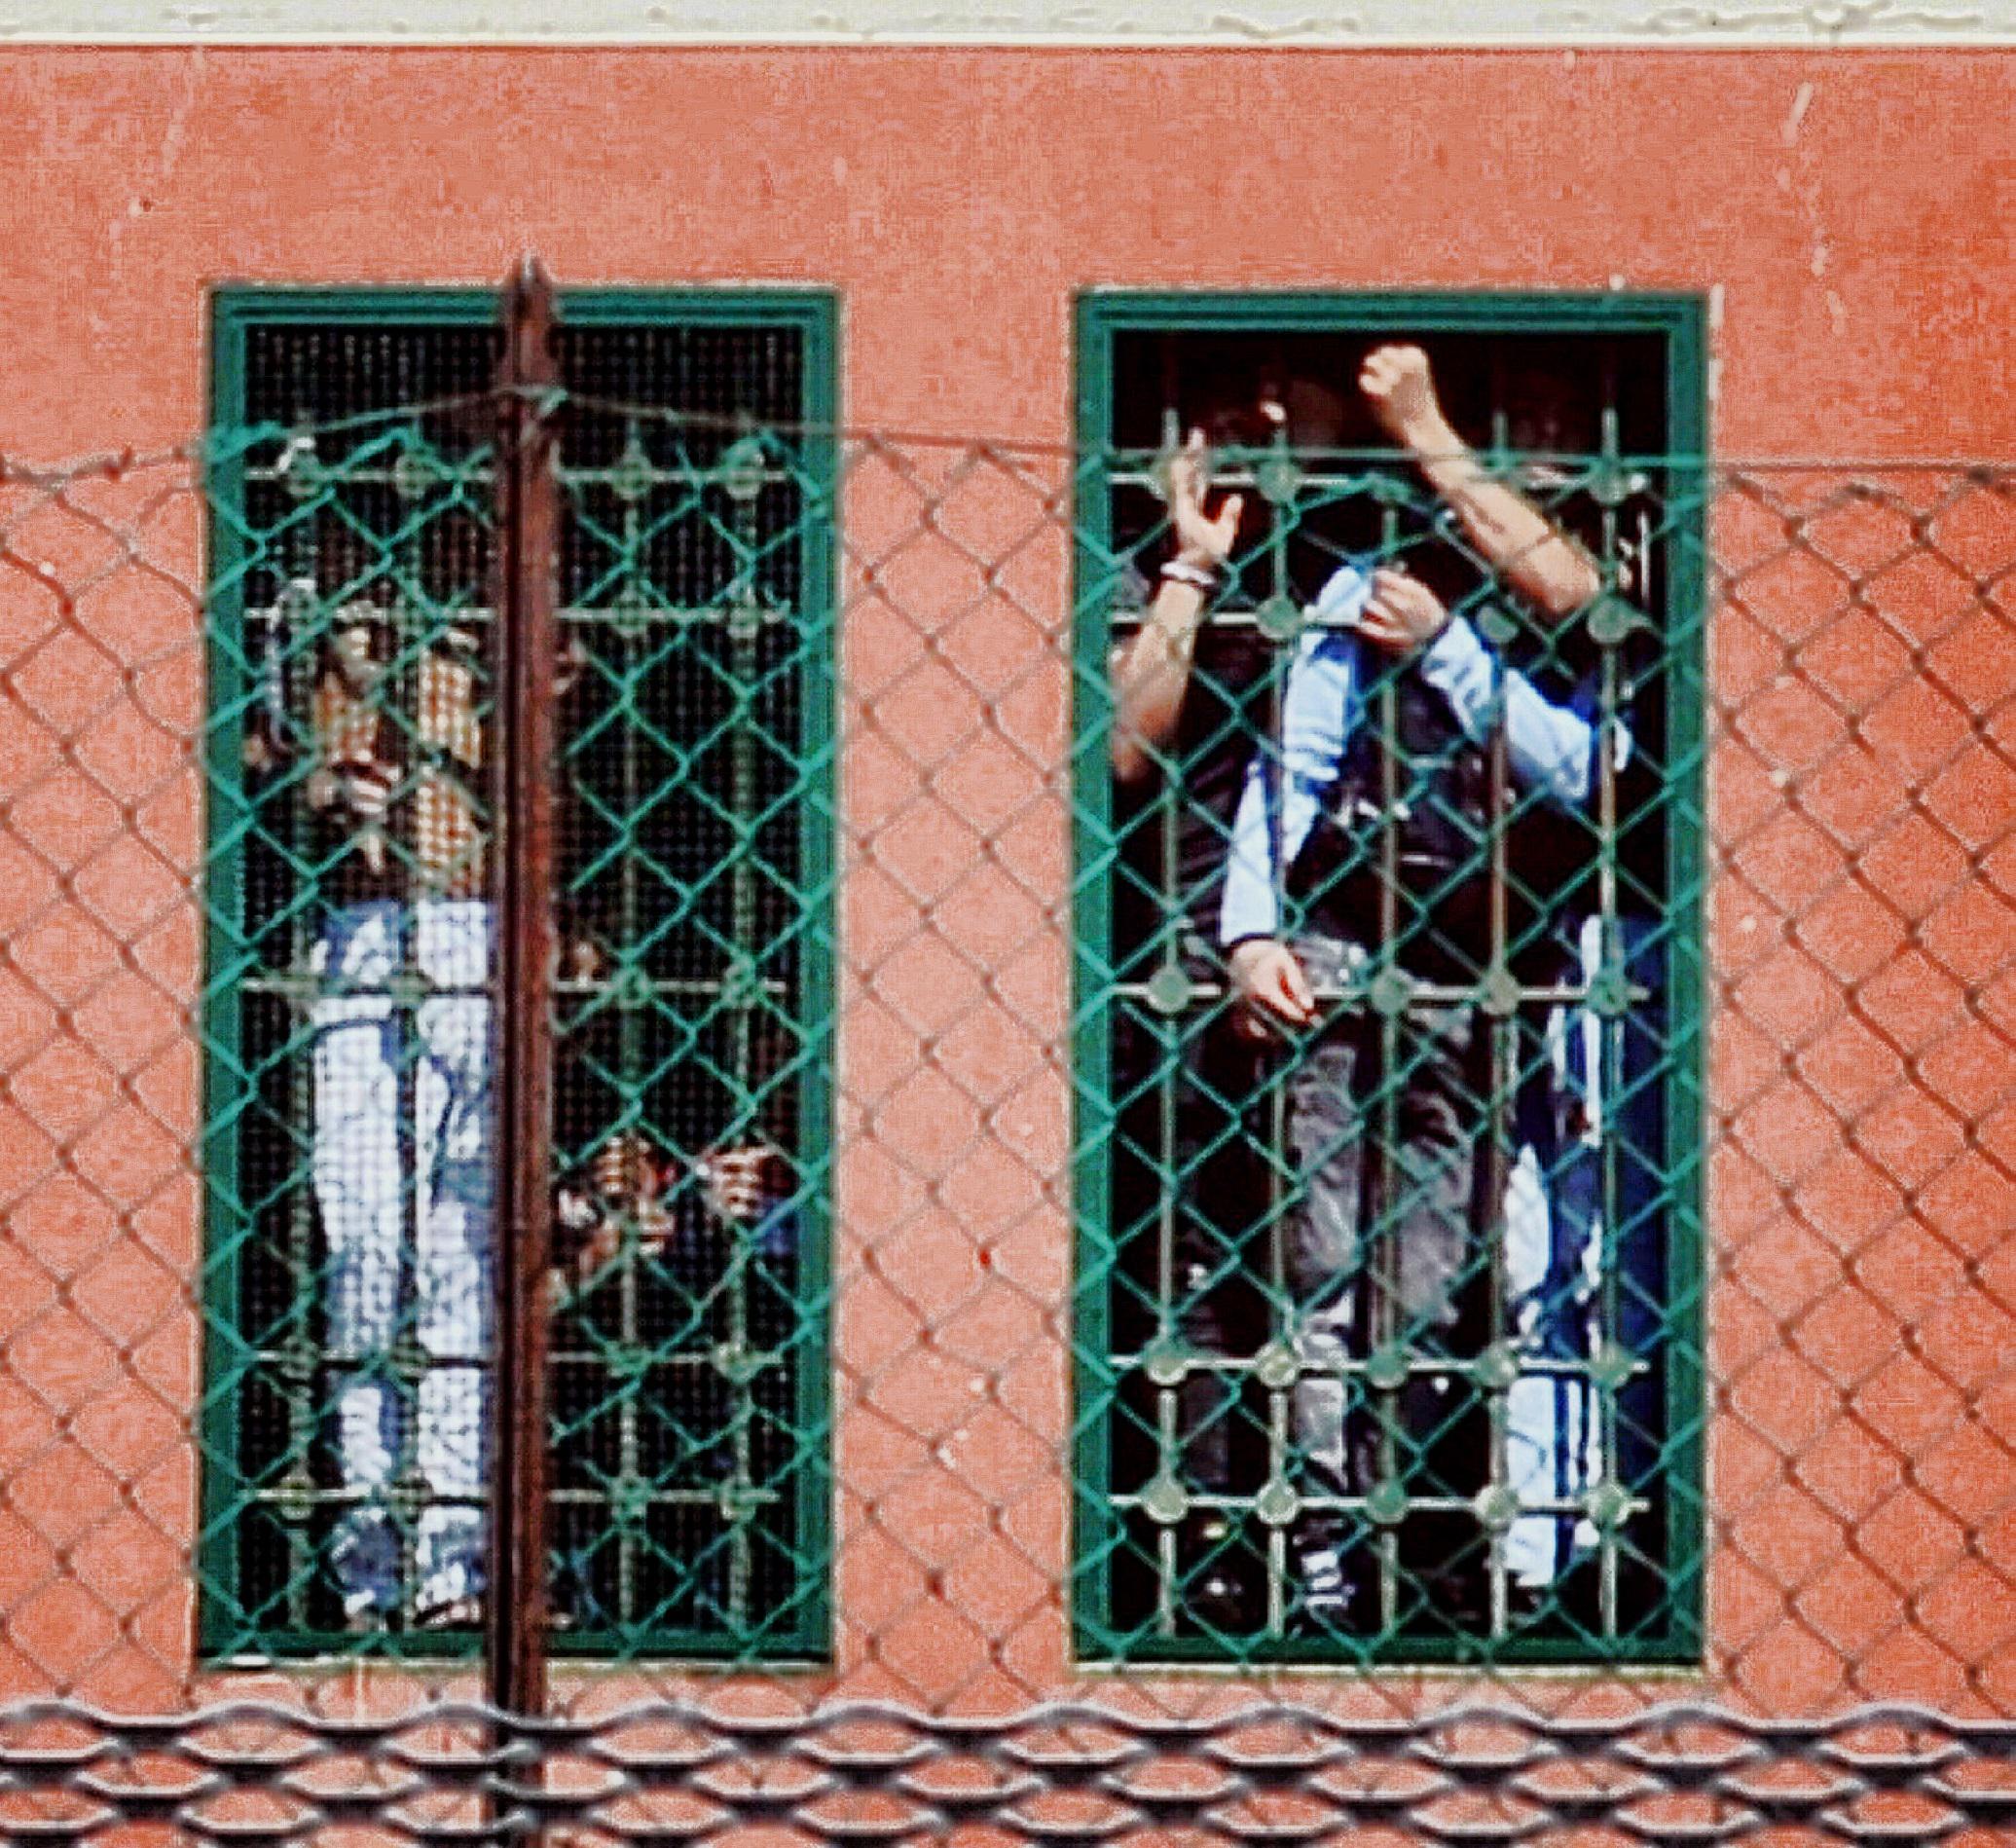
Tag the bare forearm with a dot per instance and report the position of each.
(1151, 675)
(1518, 541)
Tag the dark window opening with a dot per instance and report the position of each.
(1395, 1322)
(355, 735)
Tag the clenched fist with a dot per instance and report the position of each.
(1401, 391)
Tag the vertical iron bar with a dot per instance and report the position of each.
(400, 694)
(745, 643)
(1605, 1107)
(1285, 1462)
(1501, 1035)
(1170, 1077)
(1171, 1033)
(299, 1364)
(634, 650)
(1377, 1255)
(523, 878)
(399, 690)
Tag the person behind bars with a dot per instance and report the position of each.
(402, 1151)
(1588, 1268)
(1190, 686)
(396, 763)
(1353, 857)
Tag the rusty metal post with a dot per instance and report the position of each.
(528, 551)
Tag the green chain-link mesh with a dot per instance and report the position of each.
(1389, 1343)
(352, 1155)
(689, 1348)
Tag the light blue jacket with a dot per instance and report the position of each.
(1548, 747)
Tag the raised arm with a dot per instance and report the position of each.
(1519, 543)
(1150, 671)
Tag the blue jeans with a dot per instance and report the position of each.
(407, 1217)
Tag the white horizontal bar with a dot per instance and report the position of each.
(1252, 23)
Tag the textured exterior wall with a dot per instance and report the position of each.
(1055, 22)
(1853, 212)
(1850, 214)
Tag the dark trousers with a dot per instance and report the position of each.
(1381, 1251)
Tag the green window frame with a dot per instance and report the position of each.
(690, 1508)
(1147, 1538)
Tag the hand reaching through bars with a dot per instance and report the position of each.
(623, 1201)
(620, 1195)
(742, 1184)
(1270, 987)
(751, 1187)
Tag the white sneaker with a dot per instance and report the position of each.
(1326, 1593)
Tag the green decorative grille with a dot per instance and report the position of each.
(394, 559)
(689, 1355)
(352, 1154)
(1388, 1317)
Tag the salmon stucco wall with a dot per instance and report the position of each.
(1852, 210)
(1847, 214)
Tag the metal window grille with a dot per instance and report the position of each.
(359, 730)
(1392, 1344)
(1855, 1679)
(688, 1379)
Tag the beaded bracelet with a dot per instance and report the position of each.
(1195, 575)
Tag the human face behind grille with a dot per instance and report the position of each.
(371, 722)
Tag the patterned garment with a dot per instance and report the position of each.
(406, 1209)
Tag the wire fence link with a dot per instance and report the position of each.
(877, 1511)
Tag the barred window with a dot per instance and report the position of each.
(1389, 1053)
(357, 727)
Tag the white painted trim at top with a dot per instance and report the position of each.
(1122, 23)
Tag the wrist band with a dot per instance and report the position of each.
(1195, 575)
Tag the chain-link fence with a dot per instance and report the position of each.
(991, 1372)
